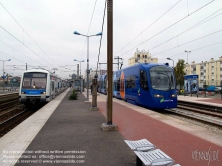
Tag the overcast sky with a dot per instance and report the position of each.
(41, 33)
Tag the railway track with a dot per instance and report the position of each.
(11, 112)
(204, 113)
(8, 97)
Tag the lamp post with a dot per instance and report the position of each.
(172, 60)
(187, 60)
(80, 75)
(98, 34)
(3, 77)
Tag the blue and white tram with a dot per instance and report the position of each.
(37, 85)
(99, 79)
(147, 84)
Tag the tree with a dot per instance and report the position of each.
(179, 72)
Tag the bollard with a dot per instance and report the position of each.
(94, 96)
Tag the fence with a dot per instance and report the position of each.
(9, 86)
(208, 89)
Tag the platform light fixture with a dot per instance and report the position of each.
(88, 71)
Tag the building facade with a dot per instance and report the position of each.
(141, 57)
(210, 73)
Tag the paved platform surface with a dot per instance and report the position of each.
(187, 144)
(73, 134)
(201, 100)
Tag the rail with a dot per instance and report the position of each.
(200, 112)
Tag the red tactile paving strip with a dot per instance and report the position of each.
(183, 147)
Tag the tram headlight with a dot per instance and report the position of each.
(23, 92)
(174, 95)
(158, 96)
(43, 93)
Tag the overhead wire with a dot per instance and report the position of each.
(188, 42)
(88, 29)
(17, 51)
(169, 26)
(194, 49)
(12, 57)
(28, 35)
(104, 13)
(192, 27)
(24, 45)
(148, 26)
(24, 30)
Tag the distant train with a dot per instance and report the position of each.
(39, 86)
(101, 82)
(146, 84)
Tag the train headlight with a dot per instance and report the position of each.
(158, 96)
(174, 95)
(43, 93)
(23, 92)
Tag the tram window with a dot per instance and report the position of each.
(143, 80)
(118, 84)
(131, 82)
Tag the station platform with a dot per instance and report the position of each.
(8, 92)
(66, 132)
(201, 100)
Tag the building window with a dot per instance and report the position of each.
(145, 56)
(212, 67)
(136, 60)
(138, 55)
(201, 67)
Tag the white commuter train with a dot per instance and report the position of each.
(39, 86)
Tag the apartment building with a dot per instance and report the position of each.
(209, 72)
(141, 57)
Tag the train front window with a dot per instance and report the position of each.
(162, 78)
(38, 82)
(34, 80)
(77, 83)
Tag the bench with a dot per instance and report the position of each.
(153, 157)
(140, 145)
(147, 154)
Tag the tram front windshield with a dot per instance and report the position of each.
(34, 80)
(162, 78)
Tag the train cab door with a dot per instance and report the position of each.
(52, 89)
(144, 97)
